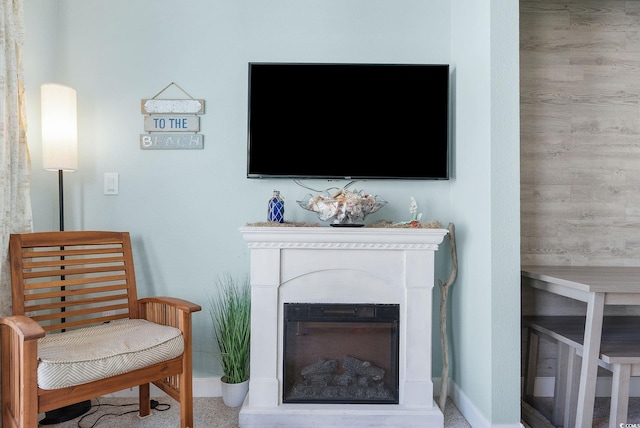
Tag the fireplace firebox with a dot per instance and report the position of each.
(341, 353)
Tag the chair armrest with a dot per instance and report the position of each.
(23, 327)
(180, 304)
(19, 365)
(169, 311)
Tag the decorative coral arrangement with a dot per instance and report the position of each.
(343, 207)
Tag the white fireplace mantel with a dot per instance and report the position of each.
(341, 265)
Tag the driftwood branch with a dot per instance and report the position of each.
(444, 292)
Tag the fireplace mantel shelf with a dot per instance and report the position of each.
(341, 265)
(342, 237)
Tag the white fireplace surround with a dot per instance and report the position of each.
(341, 265)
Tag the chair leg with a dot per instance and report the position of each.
(573, 386)
(619, 395)
(530, 363)
(144, 400)
(560, 389)
(186, 399)
(185, 379)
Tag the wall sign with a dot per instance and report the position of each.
(172, 123)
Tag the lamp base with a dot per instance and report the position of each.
(66, 413)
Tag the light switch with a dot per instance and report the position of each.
(110, 183)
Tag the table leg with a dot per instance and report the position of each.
(589, 371)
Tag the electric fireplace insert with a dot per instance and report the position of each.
(341, 353)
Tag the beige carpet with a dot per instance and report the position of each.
(212, 413)
(533, 419)
(207, 413)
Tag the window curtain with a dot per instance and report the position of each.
(15, 165)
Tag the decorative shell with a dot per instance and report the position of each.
(344, 207)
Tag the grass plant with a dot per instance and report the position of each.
(231, 317)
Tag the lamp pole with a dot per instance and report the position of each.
(61, 198)
(61, 217)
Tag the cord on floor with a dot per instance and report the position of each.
(156, 405)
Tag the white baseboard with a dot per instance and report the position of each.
(543, 387)
(202, 387)
(469, 410)
(210, 387)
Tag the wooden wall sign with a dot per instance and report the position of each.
(172, 123)
(173, 106)
(171, 141)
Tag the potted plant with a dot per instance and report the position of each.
(231, 318)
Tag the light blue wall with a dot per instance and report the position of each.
(485, 206)
(505, 209)
(471, 200)
(184, 208)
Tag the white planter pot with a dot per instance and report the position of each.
(233, 393)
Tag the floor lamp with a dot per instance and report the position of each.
(59, 134)
(60, 153)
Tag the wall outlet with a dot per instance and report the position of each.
(108, 313)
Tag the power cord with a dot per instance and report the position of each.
(161, 407)
(299, 183)
(156, 405)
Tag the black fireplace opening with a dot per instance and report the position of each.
(341, 353)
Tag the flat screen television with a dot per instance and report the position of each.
(348, 121)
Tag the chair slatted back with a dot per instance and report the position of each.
(65, 280)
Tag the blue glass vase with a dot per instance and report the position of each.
(275, 212)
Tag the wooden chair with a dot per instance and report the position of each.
(72, 292)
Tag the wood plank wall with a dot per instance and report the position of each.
(580, 132)
(580, 140)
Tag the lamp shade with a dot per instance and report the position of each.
(59, 127)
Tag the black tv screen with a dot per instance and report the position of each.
(348, 121)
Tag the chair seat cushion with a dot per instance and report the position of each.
(80, 356)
